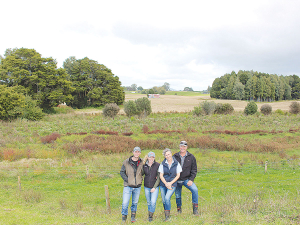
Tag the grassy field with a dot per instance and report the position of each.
(51, 158)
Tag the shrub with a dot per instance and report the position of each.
(9, 100)
(50, 138)
(111, 110)
(31, 110)
(279, 111)
(208, 107)
(197, 111)
(130, 108)
(225, 108)
(295, 108)
(143, 106)
(266, 109)
(251, 108)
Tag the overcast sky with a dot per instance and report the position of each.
(185, 43)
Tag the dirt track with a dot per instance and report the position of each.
(173, 103)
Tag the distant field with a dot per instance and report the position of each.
(180, 103)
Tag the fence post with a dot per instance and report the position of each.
(19, 183)
(87, 172)
(266, 166)
(107, 199)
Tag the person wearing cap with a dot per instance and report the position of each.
(169, 171)
(132, 174)
(187, 176)
(151, 182)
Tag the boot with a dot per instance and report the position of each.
(167, 214)
(150, 218)
(195, 209)
(179, 209)
(133, 217)
(124, 218)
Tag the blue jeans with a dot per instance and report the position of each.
(127, 192)
(166, 196)
(151, 198)
(192, 188)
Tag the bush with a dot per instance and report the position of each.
(295, 107)
(225, 108)
(143, 106)
(208, 107)
(266, 109)
(197, 111)
(9, 100)
(130, 108)
(28, 111)
(251, 108)
(279, 111)
(111, 110)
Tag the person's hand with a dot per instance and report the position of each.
(189, 183)
(168, 185)
(152, 190)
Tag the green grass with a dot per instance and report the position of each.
(233, 185)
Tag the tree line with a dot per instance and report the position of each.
(80, 83)
(29, 80)
(256, 86)
(154, 90)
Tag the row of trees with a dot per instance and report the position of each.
(81, 83)
(257, 86)
(154, 90)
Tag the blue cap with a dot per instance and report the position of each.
(137, 149)
(151, 154)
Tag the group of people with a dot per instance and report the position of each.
(169, 176)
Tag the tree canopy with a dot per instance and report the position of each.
(39, 76)
(93, 83)
(250, 85)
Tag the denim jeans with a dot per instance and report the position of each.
(127, 192)
(166, 196)
(192, 188)
(151, 198)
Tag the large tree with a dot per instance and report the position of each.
(94, 84)
(40, 76)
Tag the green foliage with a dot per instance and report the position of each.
(208, 107)
(111, 110)
(294, 108)
(10, 101)
(279, 111)
(39, 76)
(94, 84)
(266, 109)
(251, 108)
(225, 108)
(256, 86)
(130, 108)
(197, 111)
(143, 107)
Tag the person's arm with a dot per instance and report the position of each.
(193, 170)
(157, 181)
(123, 174)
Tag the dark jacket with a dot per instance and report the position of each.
(132, 174)
(151, 179)
(189, 169)
(169, 174)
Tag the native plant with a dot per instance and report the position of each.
(295, 107)
(251, 108)
(208, 107)
(266, 109)
(111, 110)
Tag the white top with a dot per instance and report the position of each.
(161, 168)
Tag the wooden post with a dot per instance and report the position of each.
(87, 172)
(266, 166)
(107, 199)
(19, 183)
